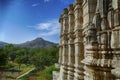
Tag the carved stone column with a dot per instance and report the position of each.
(91, 56)
(115, 39)
(105, 50)
(60, 44)
(79, 48)
(90, 21)
(71, 51)
(64, 68)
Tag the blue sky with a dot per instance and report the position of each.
(25, 20)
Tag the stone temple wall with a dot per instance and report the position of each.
(89, 46)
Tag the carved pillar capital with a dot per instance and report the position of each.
(61, 19)
(71, 9)
(78, 1)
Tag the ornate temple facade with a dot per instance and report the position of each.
(89, 46)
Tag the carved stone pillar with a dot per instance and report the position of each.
(90, 21)
(115, 44)
(105, 50)
(115, 39)
(64, 69)
(71, 51)
(60, 44)
(79, 48)
(91, 56)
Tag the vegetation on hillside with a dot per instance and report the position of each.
(12, 57)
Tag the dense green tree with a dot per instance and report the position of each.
(19, 60)
(12, 56)
(39, 57)
(39, 61)
(9, 48)
(3, 58)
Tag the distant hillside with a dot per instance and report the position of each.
(37, 43)
(2, 43)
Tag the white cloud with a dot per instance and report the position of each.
(34, 5)
(48, 28)
(50, 33)
(46, 0)
(44, 26)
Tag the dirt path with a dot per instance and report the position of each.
(25, 73)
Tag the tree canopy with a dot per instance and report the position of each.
(39, 57)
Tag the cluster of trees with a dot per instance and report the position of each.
(39, 57)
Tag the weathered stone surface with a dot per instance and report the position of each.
(90, 41)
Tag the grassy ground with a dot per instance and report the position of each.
(46, 74)
(8, 75)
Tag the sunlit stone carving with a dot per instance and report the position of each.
(90, 41)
